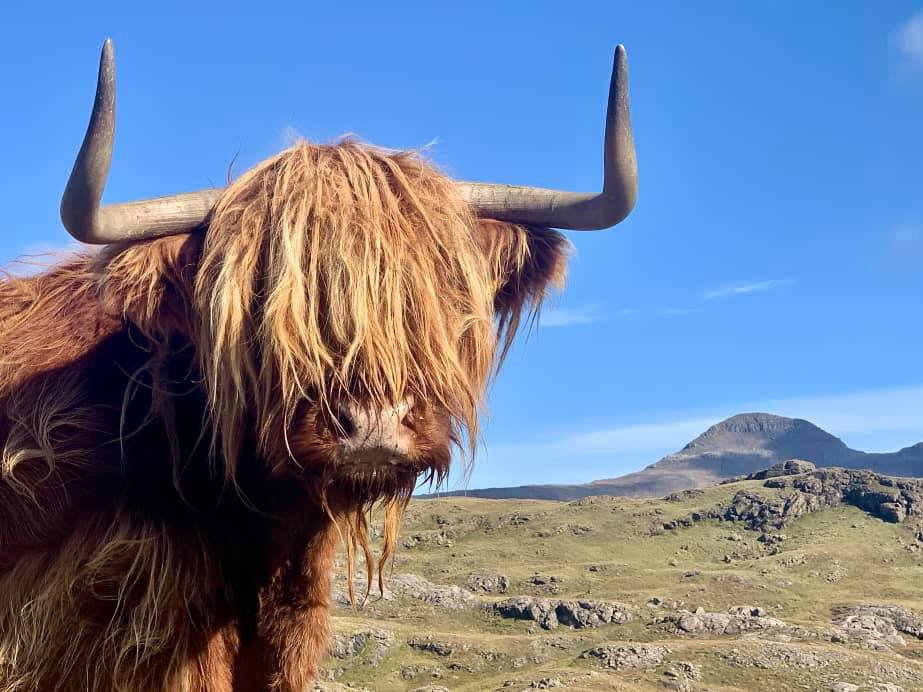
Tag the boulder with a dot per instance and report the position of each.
(892, 511)
(791, 467)
(488, 581)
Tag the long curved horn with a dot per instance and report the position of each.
(81, 212)
(575, 210)
(89, 222)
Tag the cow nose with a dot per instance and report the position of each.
(385, 433)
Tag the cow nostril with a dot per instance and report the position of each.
(345, 425)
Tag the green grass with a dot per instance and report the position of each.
(615, 549)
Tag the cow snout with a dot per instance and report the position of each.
(375, 436)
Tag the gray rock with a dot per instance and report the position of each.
(877, 627)
(682, 670)
(548, 613)
(792, 467)
(737, 620)
(771, 655)
(627, 656)
(871, 630)
(375, 642)
(903, 619)
(432, 646)
(428, 538)
(892, 511)
(450, 597)
(540, 610)
(680, 675)
(488, 581)
(542, 580)
(748, 611)
(580, 614)
(411, 672)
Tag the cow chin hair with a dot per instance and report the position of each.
(348, 498)
(333, 268)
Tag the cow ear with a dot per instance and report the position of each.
(151, 284)
(525, 261)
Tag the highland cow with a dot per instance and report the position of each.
(194, 417)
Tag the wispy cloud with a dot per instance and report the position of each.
(589, 314)
(726, 291)
(568, 317)
(743, 289)
(874, 420)
(909, 41)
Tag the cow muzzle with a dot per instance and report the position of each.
(375, 438)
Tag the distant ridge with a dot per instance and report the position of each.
(740, 445)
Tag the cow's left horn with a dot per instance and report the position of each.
(81, 212)
(575, 210)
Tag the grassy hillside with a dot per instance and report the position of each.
(800, 586)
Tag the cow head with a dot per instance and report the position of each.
(347, 305)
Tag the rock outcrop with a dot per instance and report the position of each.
(889, 498)
(879, 622)
(549, 613)
(735, 621)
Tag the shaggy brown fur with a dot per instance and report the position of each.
(171, 486)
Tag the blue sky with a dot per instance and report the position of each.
(774, 261)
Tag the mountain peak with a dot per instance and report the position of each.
(767, 424)
(737, 446)
(762, 434)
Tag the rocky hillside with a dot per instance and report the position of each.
(739, 445)
(791, 578)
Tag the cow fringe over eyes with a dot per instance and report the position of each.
(332, 270)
